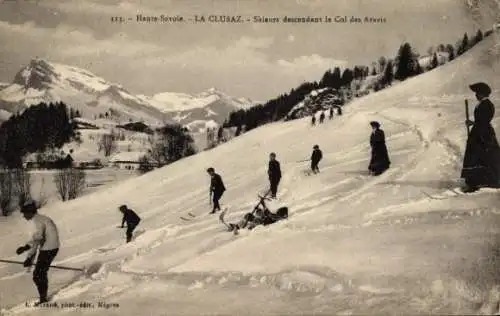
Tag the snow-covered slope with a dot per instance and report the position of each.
(352, 244)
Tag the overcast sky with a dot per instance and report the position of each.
(257, 61)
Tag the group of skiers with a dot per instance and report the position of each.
(481, 168)
(322, 116)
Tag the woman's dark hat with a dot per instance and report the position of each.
(375, 124)
(481, 88)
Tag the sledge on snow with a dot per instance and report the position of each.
(260, 215)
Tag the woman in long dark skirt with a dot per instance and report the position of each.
(481, 166)
(379, 161)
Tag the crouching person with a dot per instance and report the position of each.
(46, 240)
(132, 220)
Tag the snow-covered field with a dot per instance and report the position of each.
(44, 188)
(352, 245)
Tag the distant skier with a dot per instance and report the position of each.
(316, 157)
(217, 188)
(322, 117)
(339, 111)
(132, 220)
(313, 120)
(379, 161)
(331, 113)
(274, 173)
(220, 135)
(68, 161)
(46, 240)
(481, 165)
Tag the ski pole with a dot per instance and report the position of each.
(467, 116)
(55, 267)
(303, 160)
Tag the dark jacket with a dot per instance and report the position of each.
(316, 156)
(380, 157)
(481, 164)
(274, 170)
(216, 184)
(131, 218)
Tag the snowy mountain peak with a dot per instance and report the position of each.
(41, 75)
(210, 92)
(44, 81)
(38, 74)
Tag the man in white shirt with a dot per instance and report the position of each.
(46, 240)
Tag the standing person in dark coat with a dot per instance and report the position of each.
(379, 161)
(220, 135)
(482, 154)
(274, 173)
(46, 240)
(339, 110)
(316, 157)
(132, 220)
(313, 120)
(331, 113)
(217, 188)
(322, 117)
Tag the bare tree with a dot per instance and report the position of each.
(23, 182)
(70, 183)
(42, 197)
(107, 144)
(6, 191)
(382, 61)
(144, 165)
(77, 183)
(170, 144)
(157, 150)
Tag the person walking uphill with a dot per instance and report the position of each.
(132, 220)
(379, 161)
(482, 154)
(322, 117)
(217, 188)
(274, 173)
(46, 240)
(316, 157)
